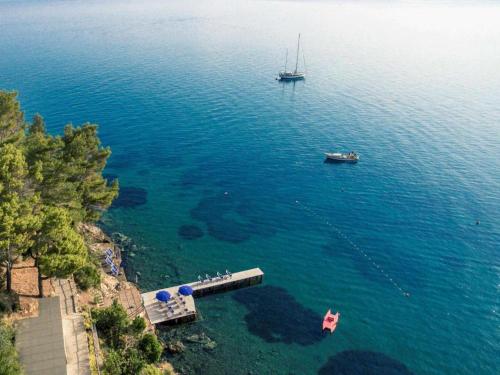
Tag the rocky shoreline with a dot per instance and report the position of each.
(111, 287)
(179, 341)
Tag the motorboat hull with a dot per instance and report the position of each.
(341, 158)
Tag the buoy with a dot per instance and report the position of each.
(477, 222)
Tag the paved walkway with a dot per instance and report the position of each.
(75, 336)
(40, 341)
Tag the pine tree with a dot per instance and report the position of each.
(11, 118)
(86, 159)
(58, 249)
(48, 184)
(17, 219)
(69, 169)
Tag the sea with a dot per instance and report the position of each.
(221, 167)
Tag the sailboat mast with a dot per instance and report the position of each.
(297, 60)
(286, 58)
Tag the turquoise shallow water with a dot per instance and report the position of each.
(202, 135)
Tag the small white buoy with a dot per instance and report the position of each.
(226, 193)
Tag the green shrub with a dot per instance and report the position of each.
(152, 370)
(150, 348)
(9, 361)
(111, 323)
(88, 276)
(128, 362)
(113, 363)
(137, 326)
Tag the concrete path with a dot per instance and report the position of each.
(75, 336)
(39, 341)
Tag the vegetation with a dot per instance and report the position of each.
(48, 185)
(137, 326)
(112, 324)
(150, 347)
(88, 276)
(129, 349)
(9, 362)
(87, 322)
(152, 370)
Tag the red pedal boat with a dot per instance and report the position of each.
(330, 321)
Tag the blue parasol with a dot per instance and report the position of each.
(163, 296)
(186, 290)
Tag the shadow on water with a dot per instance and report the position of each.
(130, 196)
(266, 306)
(190, 232)
(359, 362)
(230, 219)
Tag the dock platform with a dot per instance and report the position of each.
(180, 309)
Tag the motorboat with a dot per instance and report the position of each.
(330, 321)
(351, 157)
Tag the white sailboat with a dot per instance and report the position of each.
(286, 75)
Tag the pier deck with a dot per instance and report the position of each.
(181, 309)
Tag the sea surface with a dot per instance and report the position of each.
(222, 167)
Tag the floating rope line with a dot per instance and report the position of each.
(356, 247)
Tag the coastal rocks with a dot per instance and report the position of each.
(210, 345)
(206, 342)
(120, 238)
(109, 285)
(196, 338)
(93, 232)
(126, 244)
(175, 347)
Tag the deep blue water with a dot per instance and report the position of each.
(222, 167)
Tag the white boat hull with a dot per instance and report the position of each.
(291, 77)
(338, 157)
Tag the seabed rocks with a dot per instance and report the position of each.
(176, 347)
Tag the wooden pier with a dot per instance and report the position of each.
(180, 309)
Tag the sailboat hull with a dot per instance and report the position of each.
(291, 76)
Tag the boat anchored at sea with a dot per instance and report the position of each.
(350, 157)
(330, 321)
(296, 75)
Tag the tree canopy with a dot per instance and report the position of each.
(48, 185)
(17, 218)
(11, 118)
